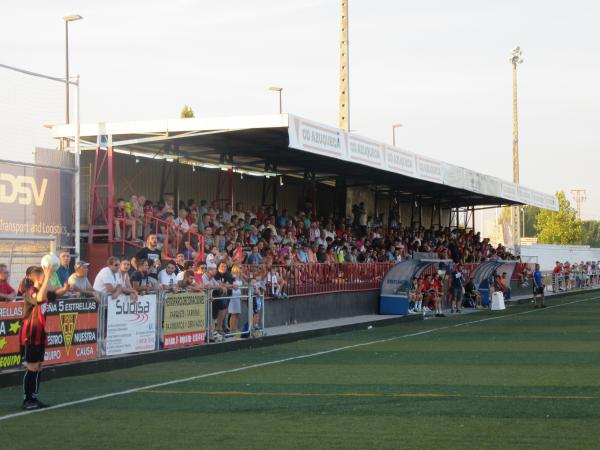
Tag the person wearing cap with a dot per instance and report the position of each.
(78, 281)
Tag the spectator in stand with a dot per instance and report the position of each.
(136, 213)
(64, 271)
(124, 280)
(7, 293)
(227, 213)
(211, 258)
(538, 287)
(254, 257)
(181, 222)
(148, 209)
(141, 280)
(79, 283)
(180, 263)
(167, 277)
(106, 280)
(123, 221)
(150, 252)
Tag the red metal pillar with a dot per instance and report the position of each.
(101, 212)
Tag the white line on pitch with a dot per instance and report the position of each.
(278, 361)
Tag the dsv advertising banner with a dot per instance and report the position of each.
(131, 326)
(36, 201)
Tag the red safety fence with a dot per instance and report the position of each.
(316, 278)
(173, 238)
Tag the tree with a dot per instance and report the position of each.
(186, 112)
(562, 227)
(530, 214)
(591, 233)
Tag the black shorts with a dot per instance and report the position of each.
(219, 305)
(33, 353)
(538, 290)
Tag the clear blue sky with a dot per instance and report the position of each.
(441, 68)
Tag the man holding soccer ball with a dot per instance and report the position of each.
(33, 333)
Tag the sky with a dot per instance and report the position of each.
(440, 68)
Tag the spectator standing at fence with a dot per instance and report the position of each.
(188, 283)
(235, 304)
(7, 293)
(106, 280)
(458, 286)
(167, 277)
(150, 252)
(79, 282)
(557, 277)
(538, 287)
(220, 306)
(141, 280)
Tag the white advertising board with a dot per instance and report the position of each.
(131, 326)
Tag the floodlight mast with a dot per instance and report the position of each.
(516, 59)
(68, 19)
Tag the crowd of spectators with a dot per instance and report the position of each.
(257, 235)
(567, 275)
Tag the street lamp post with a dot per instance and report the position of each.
(278, 89)
(68, 19)
(396, 125)
(515, 60)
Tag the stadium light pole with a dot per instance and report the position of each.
(394, 126)
(516, 59)
(280, 90)
(68, 19)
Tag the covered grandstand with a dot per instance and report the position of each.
(282, 161)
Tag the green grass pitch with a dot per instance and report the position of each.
(523, 379)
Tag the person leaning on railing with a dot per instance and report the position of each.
(188, 283)
(79, 283)
(7, 293)
(141, 280)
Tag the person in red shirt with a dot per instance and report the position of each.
(7, 293)
(33, 332)
(557, 276)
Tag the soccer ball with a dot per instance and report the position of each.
(50, 261)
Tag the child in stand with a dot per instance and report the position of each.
(235, 305)
(259, 297)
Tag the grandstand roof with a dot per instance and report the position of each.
(295, 145)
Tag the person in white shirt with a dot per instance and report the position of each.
(106, 280)
(167, 277)
(235, 304)
(211, 258)
(182, 222)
